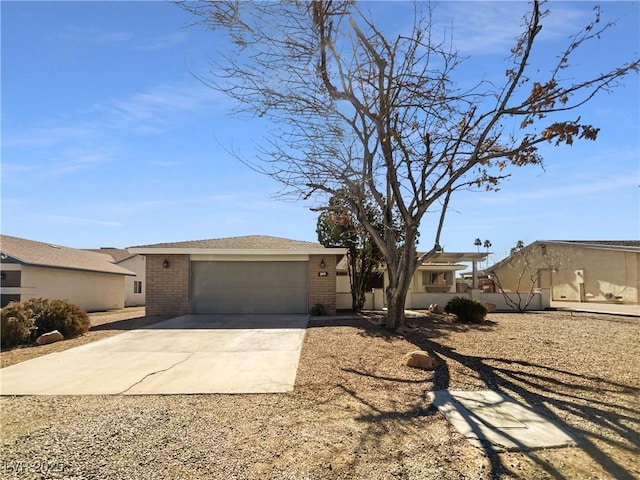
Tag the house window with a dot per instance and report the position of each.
(137, 286)
(437, 278)
(11, 278)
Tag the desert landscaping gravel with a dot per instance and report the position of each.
(356, 412)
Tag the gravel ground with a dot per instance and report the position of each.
(356, 412)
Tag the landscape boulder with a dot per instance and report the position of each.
(491, 307)
(435, 308)
(419, 359)
(50, 337)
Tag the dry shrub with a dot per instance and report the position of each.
(44, 314)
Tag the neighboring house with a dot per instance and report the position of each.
(134, 286)
(433, 282)
(34, 269)
(580, 271)
(252, 274)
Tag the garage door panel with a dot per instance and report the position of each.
(249, 287)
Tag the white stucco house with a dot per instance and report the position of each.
(31, 269)
(434, 282)
(135, 288)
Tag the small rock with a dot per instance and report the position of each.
(491, 307)
(419, 359)
(50, 337)
(435, 308)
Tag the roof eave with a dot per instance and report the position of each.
(236, 251)
(126, 272)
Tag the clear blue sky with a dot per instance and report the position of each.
(109, 140)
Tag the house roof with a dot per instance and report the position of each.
(251, 244)
(29, 252)
(118, 254)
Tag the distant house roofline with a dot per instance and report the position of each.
(40, 254)
(619, 245)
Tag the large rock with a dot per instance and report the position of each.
(420, 359)
(435, 308)
(50, 337)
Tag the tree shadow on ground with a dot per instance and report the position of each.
(561, 396)
(129, 324)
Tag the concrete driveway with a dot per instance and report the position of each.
(185, 355)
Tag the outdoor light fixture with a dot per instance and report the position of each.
(165, 264)
(322, 263)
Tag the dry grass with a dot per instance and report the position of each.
(356, 412)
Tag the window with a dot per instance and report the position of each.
(437, 278)
(137, 286)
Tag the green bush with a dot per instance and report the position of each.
(15, 325)
(466, 309)
(318, 310)
(44, 314)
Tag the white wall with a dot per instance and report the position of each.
(421, 301)
(137, 265)
(90, 290)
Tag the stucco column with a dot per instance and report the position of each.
(474, 273)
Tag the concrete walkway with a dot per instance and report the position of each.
(185, 355)
(490, 419)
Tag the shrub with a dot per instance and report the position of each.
(318, 310)
(466, 309)
(15, 325)
(46, 315)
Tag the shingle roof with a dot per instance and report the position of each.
(29, 252)
(250, 242)
(118, 254)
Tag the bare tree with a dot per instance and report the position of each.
(382, 120)
(526, 271)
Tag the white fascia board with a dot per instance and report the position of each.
(595, 246)
(236, 251)
(441, 267)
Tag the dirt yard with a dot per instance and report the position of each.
(356, 412)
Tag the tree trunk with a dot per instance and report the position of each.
(395, 308)
(399, 283)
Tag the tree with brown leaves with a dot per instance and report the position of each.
(384, 120)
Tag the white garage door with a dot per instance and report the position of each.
(249, 287)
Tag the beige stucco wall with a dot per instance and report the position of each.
(137, 265)
(90, 290)
(582, 273)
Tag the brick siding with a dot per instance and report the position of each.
(168, 288)
(322, 290)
